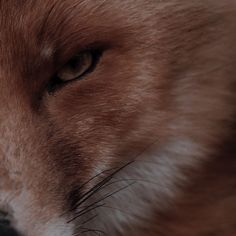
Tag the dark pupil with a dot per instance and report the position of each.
(75, 62)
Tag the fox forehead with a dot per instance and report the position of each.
(42, 27)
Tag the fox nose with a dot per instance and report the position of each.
(7, 231)
(5, 226)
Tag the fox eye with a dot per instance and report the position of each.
(77, 68)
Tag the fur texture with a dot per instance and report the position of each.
(145, 144)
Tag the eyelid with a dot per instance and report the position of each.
(62, 56)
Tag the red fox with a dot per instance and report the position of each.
(118, 117)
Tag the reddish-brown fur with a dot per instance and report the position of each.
(163, 61)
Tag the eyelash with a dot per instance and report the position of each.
(56, 83)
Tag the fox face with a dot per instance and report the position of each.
(117, 118)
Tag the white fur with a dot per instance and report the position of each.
(152, 180)
(23, 212)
